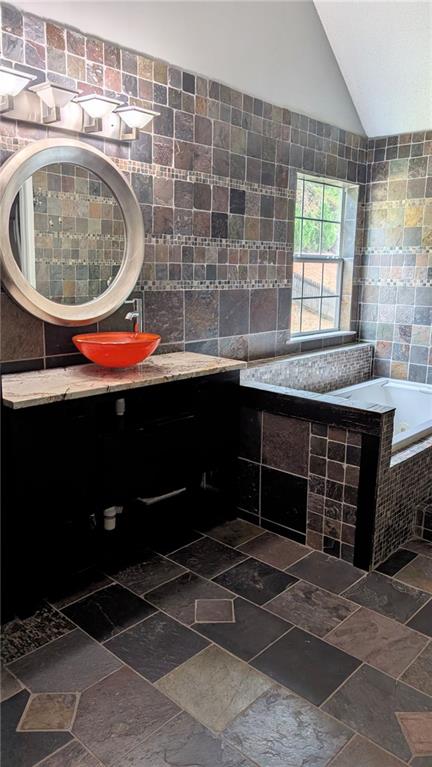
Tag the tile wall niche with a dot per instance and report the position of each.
(215, 177)
(395, 279)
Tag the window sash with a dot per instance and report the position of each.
(320, 220)
(299, 300)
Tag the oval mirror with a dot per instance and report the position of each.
(72, 238)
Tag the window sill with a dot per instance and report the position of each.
(321, 337)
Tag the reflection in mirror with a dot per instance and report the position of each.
(68, 234)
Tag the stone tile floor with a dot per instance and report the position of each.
(234, 648)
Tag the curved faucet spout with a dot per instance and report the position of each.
(135, 316)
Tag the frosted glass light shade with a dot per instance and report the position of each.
(97, 106)
(136, 117)
(53, 95)
(12, 81)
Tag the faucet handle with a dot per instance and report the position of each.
(135, 301)
(136, 314)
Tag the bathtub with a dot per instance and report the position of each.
(413, 403)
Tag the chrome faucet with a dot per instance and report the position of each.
(136, 316)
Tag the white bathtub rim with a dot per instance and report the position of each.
(406, 438)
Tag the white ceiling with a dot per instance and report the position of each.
(277, 51)
(363, 65)
(384, 51)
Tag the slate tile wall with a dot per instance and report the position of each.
(215, 177)
(423, 527)
(300, 479)
(395, 279)
(403, 497)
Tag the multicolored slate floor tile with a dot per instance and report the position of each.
(234, 648)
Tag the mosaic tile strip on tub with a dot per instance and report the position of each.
(318, 372)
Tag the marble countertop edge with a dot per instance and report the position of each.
(42, 387)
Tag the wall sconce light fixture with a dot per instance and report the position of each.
(12, 82)
(95, 108)
(135, 118)
(66, 110)
(53, 98)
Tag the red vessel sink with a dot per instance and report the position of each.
(117, 350)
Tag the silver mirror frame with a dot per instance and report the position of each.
(13, 173)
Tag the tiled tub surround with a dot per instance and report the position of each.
(318, 371)
(423, 527)
(320, 665)
(316, 471)
(305, 485)
(396, 273)
(215, 178)
(403, 491)
(307, 467)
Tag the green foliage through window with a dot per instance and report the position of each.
(317, 273)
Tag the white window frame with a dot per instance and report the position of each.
(316, 259)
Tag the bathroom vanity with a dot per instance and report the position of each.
(80, 439)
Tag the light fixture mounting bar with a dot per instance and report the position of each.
(26, 107)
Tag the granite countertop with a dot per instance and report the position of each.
(22, 390)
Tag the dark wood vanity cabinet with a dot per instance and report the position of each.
(63, 463)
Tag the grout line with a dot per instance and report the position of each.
(122, 631)
(425, 647)
(219, 572)
(86, 748)
(332, 694)
(242, 543)
(428, 601)
(336, 628)
(264, 649)
(30, 652)
(264, 605)
(77, 702)
(163, 583)
(344, 748)
(83, 596)
(54, 753)
(344, 591)
(368, 740)
(174, 551)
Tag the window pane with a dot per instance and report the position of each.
(295, 317)
(297, 235)
(332, 203)
(328, 313)
(312, 201)
(299, 198)
(312, 277)
(330, 280)
(330, 239)
(310, 315)
(311, 237)
(297, 279)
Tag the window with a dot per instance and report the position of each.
(318, 264)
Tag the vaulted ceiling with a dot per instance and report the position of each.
(384, 51)
(363, 66)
